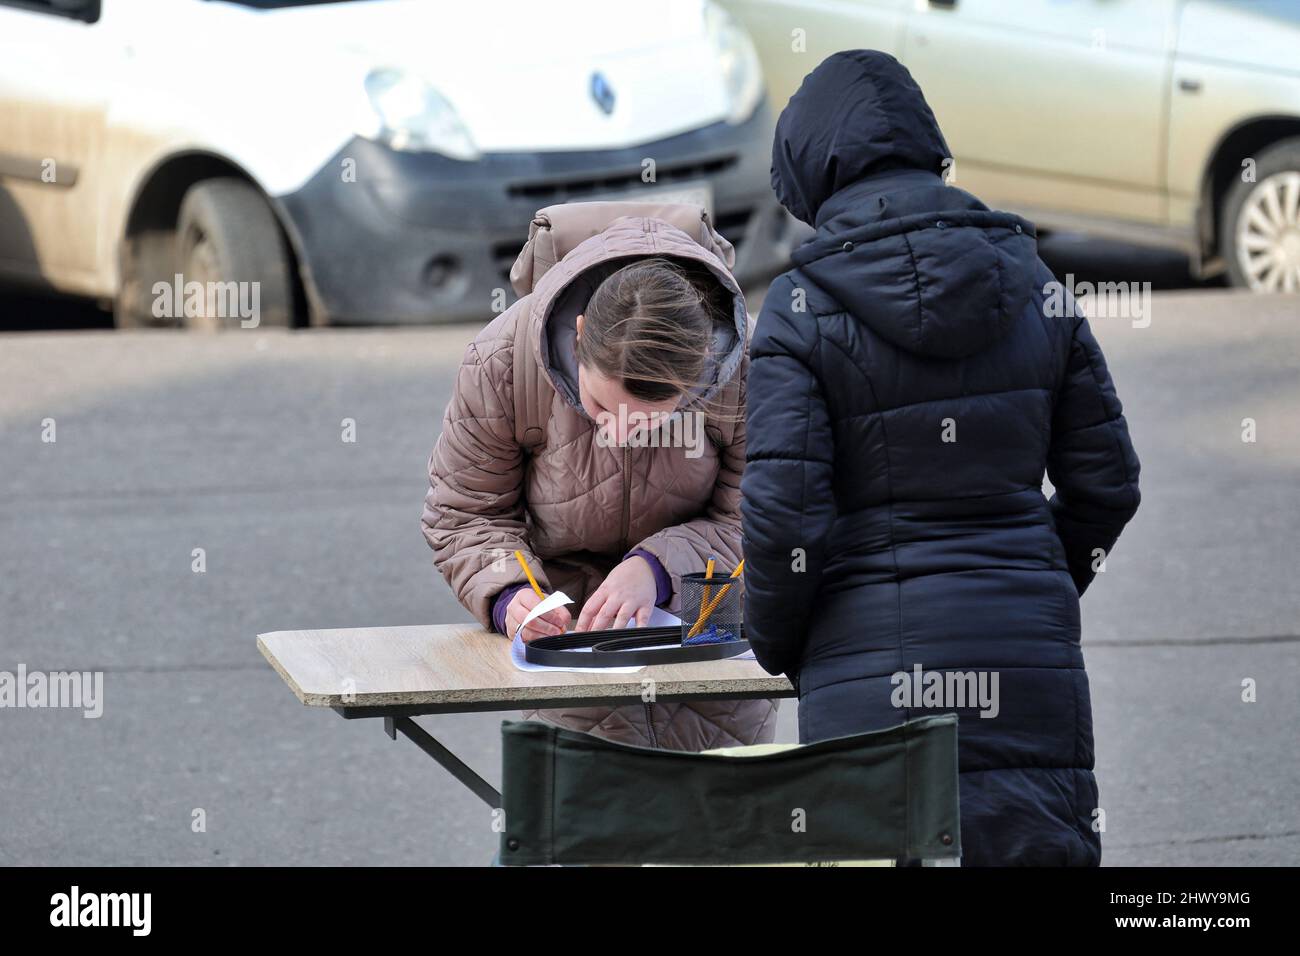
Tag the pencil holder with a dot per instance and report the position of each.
(720, 601)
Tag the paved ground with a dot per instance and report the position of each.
(170, 442)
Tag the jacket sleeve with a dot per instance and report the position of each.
(1091, 462)
(686, 548)
(787, 494)
(474, 511)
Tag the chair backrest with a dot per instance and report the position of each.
(573, 798)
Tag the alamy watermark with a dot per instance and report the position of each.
(1102, 300)
(946, 690)
(129, 910)
(74, 690)
(676, 429)
(218, 300)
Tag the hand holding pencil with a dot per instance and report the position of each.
(556, 621)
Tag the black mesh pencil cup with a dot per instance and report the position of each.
(711, 609)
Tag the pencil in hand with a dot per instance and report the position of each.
(519, 556)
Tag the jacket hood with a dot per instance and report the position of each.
(574, 247)
(859, 113)
(925, 265)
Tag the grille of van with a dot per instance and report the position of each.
(550, 191)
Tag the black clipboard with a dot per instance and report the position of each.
(627, 647)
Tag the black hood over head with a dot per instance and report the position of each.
(858, 154)
(859, 113)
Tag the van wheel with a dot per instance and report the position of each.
(1259, 225)
(228, 241)
(145, 259)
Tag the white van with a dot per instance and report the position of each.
(357, 160)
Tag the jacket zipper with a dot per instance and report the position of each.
(627, 499)
(650, 724)
(624, 528)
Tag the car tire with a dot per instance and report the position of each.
(1259, 223)
(144, 260)
(226, 232)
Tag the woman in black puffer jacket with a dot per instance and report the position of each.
(911, 382)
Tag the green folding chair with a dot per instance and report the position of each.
(888, 797)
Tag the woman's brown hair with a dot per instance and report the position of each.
(650, 326)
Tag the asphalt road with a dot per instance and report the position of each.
(167, 442)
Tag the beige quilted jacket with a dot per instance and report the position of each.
(518, 464)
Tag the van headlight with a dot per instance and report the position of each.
(742, 77)
(414, 116)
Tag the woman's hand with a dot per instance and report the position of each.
(629, 590)
(552, 622)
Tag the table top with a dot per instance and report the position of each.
(461, 667)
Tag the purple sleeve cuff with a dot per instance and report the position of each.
(499, 607)
(663, 583)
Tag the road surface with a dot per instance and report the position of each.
(168, 442)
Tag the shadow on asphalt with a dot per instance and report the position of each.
(1099, 260)
(22, 311)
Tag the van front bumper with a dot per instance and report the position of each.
(384, 236)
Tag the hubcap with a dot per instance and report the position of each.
(1268, 234)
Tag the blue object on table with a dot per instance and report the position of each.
(710, 635)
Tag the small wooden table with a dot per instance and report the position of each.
(398, 673)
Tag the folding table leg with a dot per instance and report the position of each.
(454, 765)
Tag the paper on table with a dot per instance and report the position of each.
(549, 603)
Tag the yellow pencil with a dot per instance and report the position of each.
(519, 555)
(708, 573)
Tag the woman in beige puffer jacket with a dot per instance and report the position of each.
(522, 464)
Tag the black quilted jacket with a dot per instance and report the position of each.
(910, 384)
